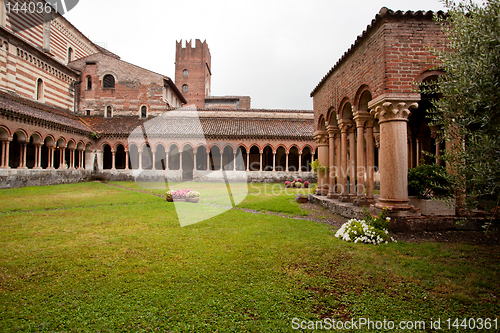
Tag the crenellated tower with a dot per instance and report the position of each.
(193, 71)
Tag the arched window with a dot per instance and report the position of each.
(185, 88)
(108, 113)
(185, 72)
(144, 112)
(39, 90)
(89, 82)
(108, 81)
(70, 55)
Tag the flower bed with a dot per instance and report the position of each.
(181, 195)
(370, 230)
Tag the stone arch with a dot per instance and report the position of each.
(241, 158)
(16, 149)
(160, 157)
(120, 156)
(147, 157)
(321, 123)
(201, 158)
(331, 117)
(215, 153)
(107, 156)
(306, 158)
(346, 109)
(293, 158)
(254, 155)
(267, 158)
(360, 97)
(174, 162)
(228, 158)
(133, 153)
(281, 158)
(187, 162)
(4, 133)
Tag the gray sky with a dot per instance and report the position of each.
(276, 52)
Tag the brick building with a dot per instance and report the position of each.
(68, 108)
(362, 109)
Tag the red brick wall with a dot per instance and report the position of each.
(387, 59)
(197, 61)
(134, 87)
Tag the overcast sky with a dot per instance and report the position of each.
(276, 52)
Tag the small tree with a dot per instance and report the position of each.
(468, 109)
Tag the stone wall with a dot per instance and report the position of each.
(15, 178)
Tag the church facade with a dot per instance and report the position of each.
(69, 106)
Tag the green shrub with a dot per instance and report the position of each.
(426, 181)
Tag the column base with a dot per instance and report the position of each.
(347, 198)
(395, 208)
(37, 168)
(363, 201)
(22, 168)
(333, 196)
(5, 168)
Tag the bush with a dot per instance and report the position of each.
(426, 181)
(193, 194)
(288, 184)
(370, 230)
(298, 184)
(306, 184)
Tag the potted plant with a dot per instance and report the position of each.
(193, 197)
(301, 198)
(169, 196)
(306, 184)
(298, 184)
(298, 180)
(293, 184)
(288, 184)
(180, 195)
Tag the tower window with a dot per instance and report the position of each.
(108, 81)
(144, 112)
(109, 112)
(70, 55)
(39, 90)
(89, 83)
(185, 88)
(185, 72)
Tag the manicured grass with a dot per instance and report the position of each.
(118, 261)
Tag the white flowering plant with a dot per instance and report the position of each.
(370, 230)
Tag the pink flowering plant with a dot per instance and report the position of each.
(306, 184)
(369, 230)
(180, 194)
(288, 184)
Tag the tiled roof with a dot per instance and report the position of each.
(207, 126)
(384, 13)
(35, 110)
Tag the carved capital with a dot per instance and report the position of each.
(376, 136)
(333, 131)
(393, 107)
(362, 118)
(345, 126)
(321, 137)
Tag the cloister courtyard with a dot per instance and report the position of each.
(112, 257)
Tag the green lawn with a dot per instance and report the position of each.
(95, 258)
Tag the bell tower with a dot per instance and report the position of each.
(193, 71)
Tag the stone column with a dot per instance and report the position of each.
(342, 172)
(139, 152)
(286, 159)
(361, 118)
(126, 160)
(248, 160)
(274, 160)
(38, 151)
(234, 160)
(333, 131)
(209, 167)
(72, 159)
(51, 158)
(221, 159)
(194, 161)
(352, 163)
(370, 161)
(300, 161)
(153, 159)
(180, 160)
(392, 111)
(5, 157)
(62, 157)
(22, 158)
(260, 161)
(113, 159)
(321, 139)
